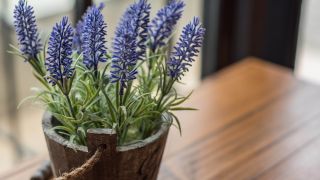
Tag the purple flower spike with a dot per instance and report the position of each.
(138, 14)
(186, 49)
(124, 56)
(58, 61)
(77, 40)
(93, 38)
(77, 37)
(130, 43)
(26, 30)
(163, 24)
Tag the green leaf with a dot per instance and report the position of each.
(110, 106)
(137, 109)
(66, 121)
(70, 82)
(14, 48)
(183, 109)
(117, 94)
(25, 100)
(183, 100)
(124, 111)
(72, 138)
(45, 49)
(95, 100)
(41, 80)
(17, 54)
(87, 90)
(63, 128)
(178, 122)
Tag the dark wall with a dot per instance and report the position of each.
(238, 28)
(80, 7)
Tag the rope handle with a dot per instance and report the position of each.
(84, 168)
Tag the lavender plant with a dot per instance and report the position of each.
(93, 37)
(129, 88)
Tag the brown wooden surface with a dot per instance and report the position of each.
(256, 121)
(140, 160)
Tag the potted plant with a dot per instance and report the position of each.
(108, 111)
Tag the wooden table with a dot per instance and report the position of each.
(256, 121)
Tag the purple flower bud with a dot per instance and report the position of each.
(163, 24)
(93, 38)
(77, 40)
(130, 43)
(186, 49)
(59, 61)
(26, 30)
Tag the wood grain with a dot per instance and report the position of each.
(242, 150)
(233, 93)
(256, 121)
(304, 163)
(139, 161)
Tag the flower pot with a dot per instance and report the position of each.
(136, 161)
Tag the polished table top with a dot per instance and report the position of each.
(255, 121)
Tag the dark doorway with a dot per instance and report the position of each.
(267, 29)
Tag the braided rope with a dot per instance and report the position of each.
(84, 168)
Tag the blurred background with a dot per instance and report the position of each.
(283, 32)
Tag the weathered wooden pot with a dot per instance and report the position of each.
(137, 161)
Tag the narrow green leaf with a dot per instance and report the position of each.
(25, 100)
(64, 128)
(183, 100)
(178, 123)
(183, 109)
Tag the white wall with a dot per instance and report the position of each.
(308, 52)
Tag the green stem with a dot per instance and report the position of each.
(36, 67)
(70, 106)
(160, 100)
(95, 75)
(117, 94)
(128, 90)
(150, 67)
(66, 90)
(121, 100)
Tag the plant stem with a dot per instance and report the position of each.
(95, 73)
(128, 90)
(160, 100)
(117, 94)
(121, 100)
(150, 67)
(70, 106)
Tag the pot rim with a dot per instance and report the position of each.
(50, 133)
